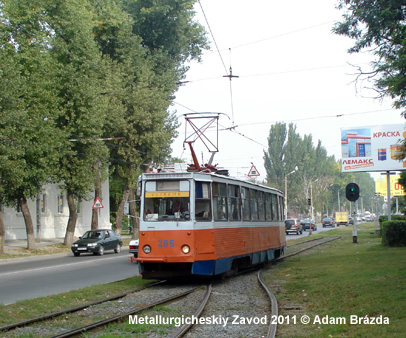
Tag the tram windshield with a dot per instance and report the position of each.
(167, 201)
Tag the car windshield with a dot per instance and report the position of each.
(93, 234)
(290, 222)
(327, 220)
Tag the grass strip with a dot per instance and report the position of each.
(336, 283)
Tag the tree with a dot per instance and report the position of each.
(316, 171)
(380, 27)
(153, 53)
(29, 108)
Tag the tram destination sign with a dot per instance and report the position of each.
(372, 148)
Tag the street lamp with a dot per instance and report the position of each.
(338, 198)
(286, 191)
(311, 199)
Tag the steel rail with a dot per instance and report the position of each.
(274, 306)
(196, 314)
(121, 316)
(74, 309)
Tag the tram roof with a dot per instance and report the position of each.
(211, 177)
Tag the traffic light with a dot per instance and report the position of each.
(309, 201)
(352, 192)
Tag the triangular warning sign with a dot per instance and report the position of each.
(253, 171)
(97, 204)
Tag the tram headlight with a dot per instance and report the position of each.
(185, 249)
(146, 249)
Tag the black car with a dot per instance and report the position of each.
(306, 224)
(97, 242)
(328, 222)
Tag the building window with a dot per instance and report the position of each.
(43, 203)
(78, 204)
(60, 204)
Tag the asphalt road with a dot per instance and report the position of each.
(306, 233)
(34, 277)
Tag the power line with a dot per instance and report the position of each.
(212, 35)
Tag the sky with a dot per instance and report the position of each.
(290, 68)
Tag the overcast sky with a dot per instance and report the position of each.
(291, 68)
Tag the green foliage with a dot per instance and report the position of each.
(394, 233)
(29, 106)
(317, 172)
(379, 26)
(75, 72)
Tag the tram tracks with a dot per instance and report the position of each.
(230, 299)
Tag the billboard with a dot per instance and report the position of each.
(373, 148)
(396, 189)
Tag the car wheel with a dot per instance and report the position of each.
(118, 248)
(76, 254)
(101, 250)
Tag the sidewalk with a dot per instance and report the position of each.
(20, 246)
(46, 246)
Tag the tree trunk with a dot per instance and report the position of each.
(134, 215)
(120, 212)
(28, 222)
(97, 194)
(73, 217)
(2, 234)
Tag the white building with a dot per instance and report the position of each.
(55, 215)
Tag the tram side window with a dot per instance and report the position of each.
(202, 201)
(274, 208)
(261, 205)
(268, 206)
(254, 205)
(234, 206)
(245, 198)
(220, 201)
(281, 208)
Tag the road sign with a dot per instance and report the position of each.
(97, 204)
(253, 171)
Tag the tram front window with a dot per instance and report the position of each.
(166, 209)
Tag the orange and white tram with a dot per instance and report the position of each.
(206, 224)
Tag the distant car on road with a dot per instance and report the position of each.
(97, 242)
(328, 222)
(306, 224)
(293, 225)
(133, 246)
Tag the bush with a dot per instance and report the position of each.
(394, 233)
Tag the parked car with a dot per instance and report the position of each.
(293, 226)
(306, 224)
(328, 222)
(97, 242)
(134, 247)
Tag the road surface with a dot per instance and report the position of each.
(37, 276)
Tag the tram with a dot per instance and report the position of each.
(206, 224)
